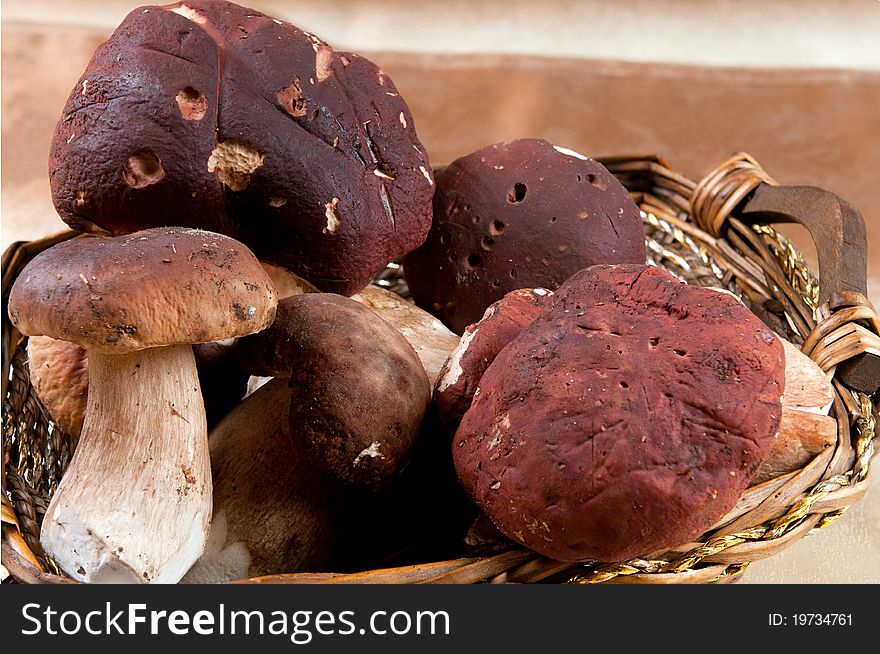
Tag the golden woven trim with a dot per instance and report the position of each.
(799, 512)
(794, 266)
(837, 337)
(721, 191)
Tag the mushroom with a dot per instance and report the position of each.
(59, 372)
(628, 417)
(518, 214)
(135, 502)
(272, 513)
(359, 391)
(430, 338)
(291, 462)
(211, 115)
(479, 345)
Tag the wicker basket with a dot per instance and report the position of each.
(713, 234)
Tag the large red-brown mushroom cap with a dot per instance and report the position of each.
(211, 115)
(627, 418)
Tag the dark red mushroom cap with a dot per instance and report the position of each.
(628, 418)
(518, 214)
(207, 114)
(481, 342)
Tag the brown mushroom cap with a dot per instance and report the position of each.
(481, 342)
(359, 393)
(358, 389)
(518, 214)
(162, 286)
(211, 115)
(627, 418)
(59, 372)
(429, 337)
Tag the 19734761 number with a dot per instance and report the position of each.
(810, 619)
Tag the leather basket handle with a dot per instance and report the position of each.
(838, 230)
(846, 334)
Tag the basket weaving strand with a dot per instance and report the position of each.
(691, 230)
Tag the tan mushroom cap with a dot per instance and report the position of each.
(59, 371)
(157, 287)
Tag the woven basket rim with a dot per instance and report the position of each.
(756, 262)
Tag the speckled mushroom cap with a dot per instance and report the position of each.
(627, 418)
(211, 115)
(518, 214)
(163, 286)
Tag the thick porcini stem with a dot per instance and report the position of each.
(135, 503)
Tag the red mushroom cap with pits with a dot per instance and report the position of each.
(211, 115)
(629, 417)
(518, 214)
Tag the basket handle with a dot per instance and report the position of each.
(838, 230)
(846, 337)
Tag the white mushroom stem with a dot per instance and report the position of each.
(135, 503)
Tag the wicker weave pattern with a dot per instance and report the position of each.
(691, 230)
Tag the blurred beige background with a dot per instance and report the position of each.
(794, 82)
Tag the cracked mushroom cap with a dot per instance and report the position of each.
(164, 286)
(627, 418)
(215, 116)
(518, 214)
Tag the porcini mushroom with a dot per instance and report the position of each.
(135, 502)
(59, 371)
(629, 416)
(359, 391)
(518, 214)
(211, 115)
(272, 513)
(340, 417)
(479, 345)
